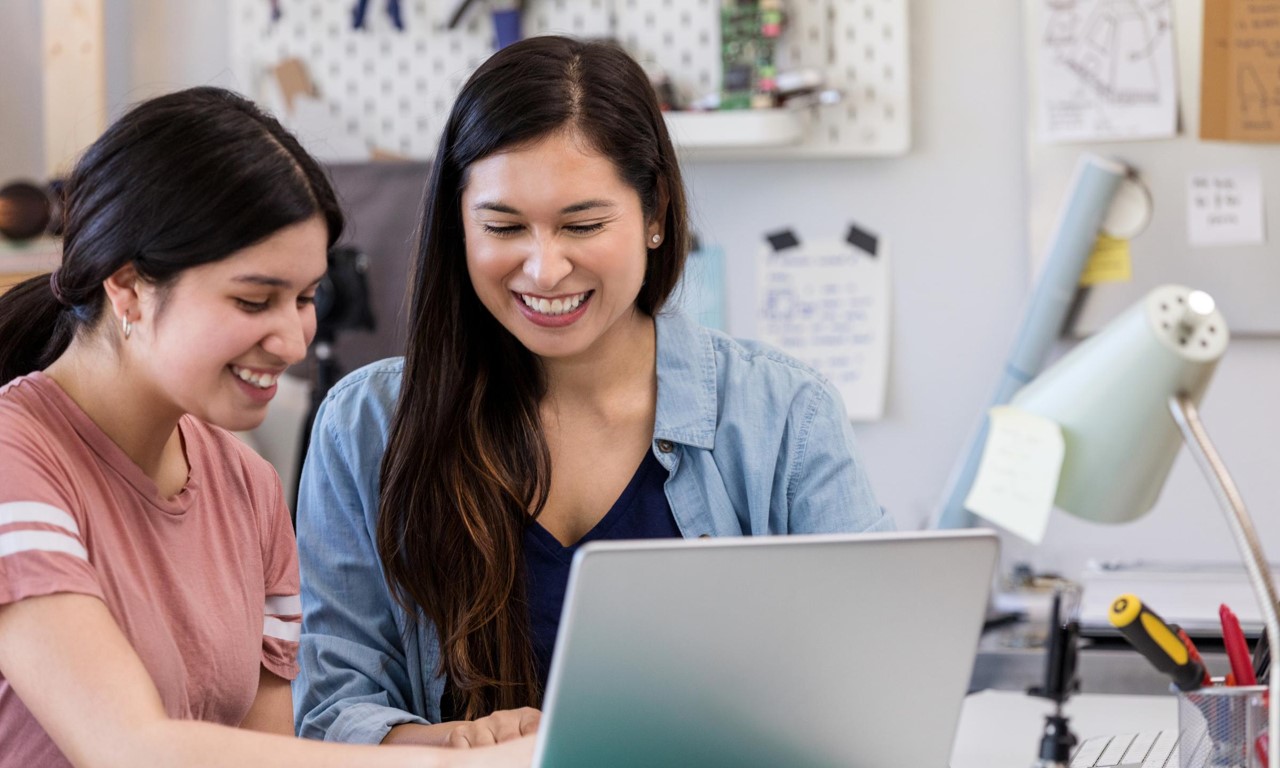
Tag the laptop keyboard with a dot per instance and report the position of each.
(1153, 749)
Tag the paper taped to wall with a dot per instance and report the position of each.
(1106, 70)
(1225, 208)
(1240, 72)
(827, 304)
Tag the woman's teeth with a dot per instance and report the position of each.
(554, 306)
(259, 380)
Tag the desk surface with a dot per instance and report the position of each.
(1001, 729)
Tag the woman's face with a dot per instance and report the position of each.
(556, 245)
(229, 328)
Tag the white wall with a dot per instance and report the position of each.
(21, 92)
(153, 46)
(954, 211)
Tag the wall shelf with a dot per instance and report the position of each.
(737, 130)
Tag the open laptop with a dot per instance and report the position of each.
(789, 651)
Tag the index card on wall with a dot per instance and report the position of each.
(1105, 70)
(826, 303)
(1225, 208)
(1018, 474)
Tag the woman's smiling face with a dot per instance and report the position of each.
(216, 341)
(556, 244)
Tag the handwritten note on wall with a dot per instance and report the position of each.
(827, 304)
(1240, 71)
(1225, 208)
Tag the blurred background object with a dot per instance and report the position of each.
(26, 210)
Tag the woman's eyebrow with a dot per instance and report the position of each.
(586, 205)
(499, 207)
(270, 281)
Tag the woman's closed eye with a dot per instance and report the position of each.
(508, 230)
(252, 306)
(502, 230)
(262, 306)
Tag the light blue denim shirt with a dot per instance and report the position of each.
(755, 443)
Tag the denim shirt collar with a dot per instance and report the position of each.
(686, 362)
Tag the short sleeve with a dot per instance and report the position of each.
(42, 523)
(281, 607)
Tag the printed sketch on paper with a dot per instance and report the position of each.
(1106, 70)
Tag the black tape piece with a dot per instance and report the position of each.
(782, 239)
(862, 240)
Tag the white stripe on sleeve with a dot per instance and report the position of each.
(282, 605)
(41, 541)
(290, 631)
(37, 512)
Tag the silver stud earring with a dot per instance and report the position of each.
(126, 326)
(656, 239)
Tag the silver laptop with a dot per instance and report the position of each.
(796, 651)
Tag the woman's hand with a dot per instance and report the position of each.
(512, 754)
(502, 726)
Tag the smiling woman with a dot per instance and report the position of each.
(546, 399)
(148, 572)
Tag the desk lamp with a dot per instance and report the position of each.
(1126, 399)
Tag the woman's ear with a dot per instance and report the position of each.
(658, 224)
(122, 292)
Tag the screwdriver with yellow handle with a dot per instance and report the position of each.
(1157, 641)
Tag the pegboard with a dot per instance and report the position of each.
(391, 89)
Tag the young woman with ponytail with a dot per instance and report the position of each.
(545, 400)
(148, 572)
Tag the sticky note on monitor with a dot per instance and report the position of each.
(1018, 474)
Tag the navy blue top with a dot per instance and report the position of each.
(641, 512)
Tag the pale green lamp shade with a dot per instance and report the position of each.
(1111, 396)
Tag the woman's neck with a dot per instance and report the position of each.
(117, 399)
(612, 379)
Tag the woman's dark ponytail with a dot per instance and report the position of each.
(35, 328)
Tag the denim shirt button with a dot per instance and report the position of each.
(666, 446)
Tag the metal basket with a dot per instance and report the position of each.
(1219, 727)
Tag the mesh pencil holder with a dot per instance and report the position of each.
(1219, 726)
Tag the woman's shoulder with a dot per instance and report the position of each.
(17, 398)
(362, 404)
(33, 412)
(741, 366)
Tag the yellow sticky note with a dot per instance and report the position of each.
(1018, 475)
(1109, 262)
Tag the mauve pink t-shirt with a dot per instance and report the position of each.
(204, 585)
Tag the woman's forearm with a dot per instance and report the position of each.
(193, 744)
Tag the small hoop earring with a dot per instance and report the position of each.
(126, 325)
(656, 239)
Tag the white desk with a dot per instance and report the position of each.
(1001, 729)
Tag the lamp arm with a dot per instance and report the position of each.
(1197, 439)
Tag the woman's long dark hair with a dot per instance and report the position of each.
(467, 462)
(181, 180)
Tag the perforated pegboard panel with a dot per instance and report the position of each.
(392, 90)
